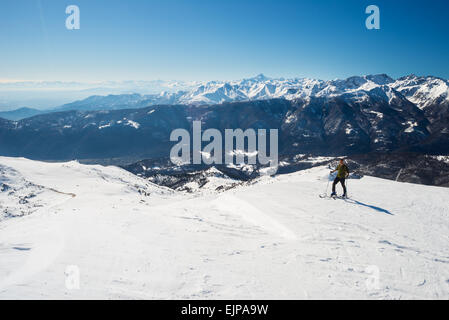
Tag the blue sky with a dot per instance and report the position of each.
(212, 39)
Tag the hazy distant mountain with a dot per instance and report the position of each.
(51, 94)
(19, 114)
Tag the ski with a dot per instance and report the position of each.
(324, 196)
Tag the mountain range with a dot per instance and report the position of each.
(356, 115)
(422, 91)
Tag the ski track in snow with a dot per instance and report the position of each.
(275, 239)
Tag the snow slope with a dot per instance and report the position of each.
(276, 238)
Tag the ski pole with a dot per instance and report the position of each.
(327, 187)
(347, 183)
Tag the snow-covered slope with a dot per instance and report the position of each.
(19, 197)
(273, 239)
(38, 186)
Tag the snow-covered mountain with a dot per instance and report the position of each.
(120, 237)
(423, 91)
(355, 115)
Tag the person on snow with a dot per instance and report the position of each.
(342, 174)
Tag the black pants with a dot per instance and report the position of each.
(342, 181)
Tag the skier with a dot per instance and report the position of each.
(343, 173)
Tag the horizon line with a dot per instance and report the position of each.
(95, 82)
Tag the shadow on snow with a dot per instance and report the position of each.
(369, 206)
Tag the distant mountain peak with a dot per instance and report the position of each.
(259, 77)
(380, 79)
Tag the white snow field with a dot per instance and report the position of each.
(94, 232)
